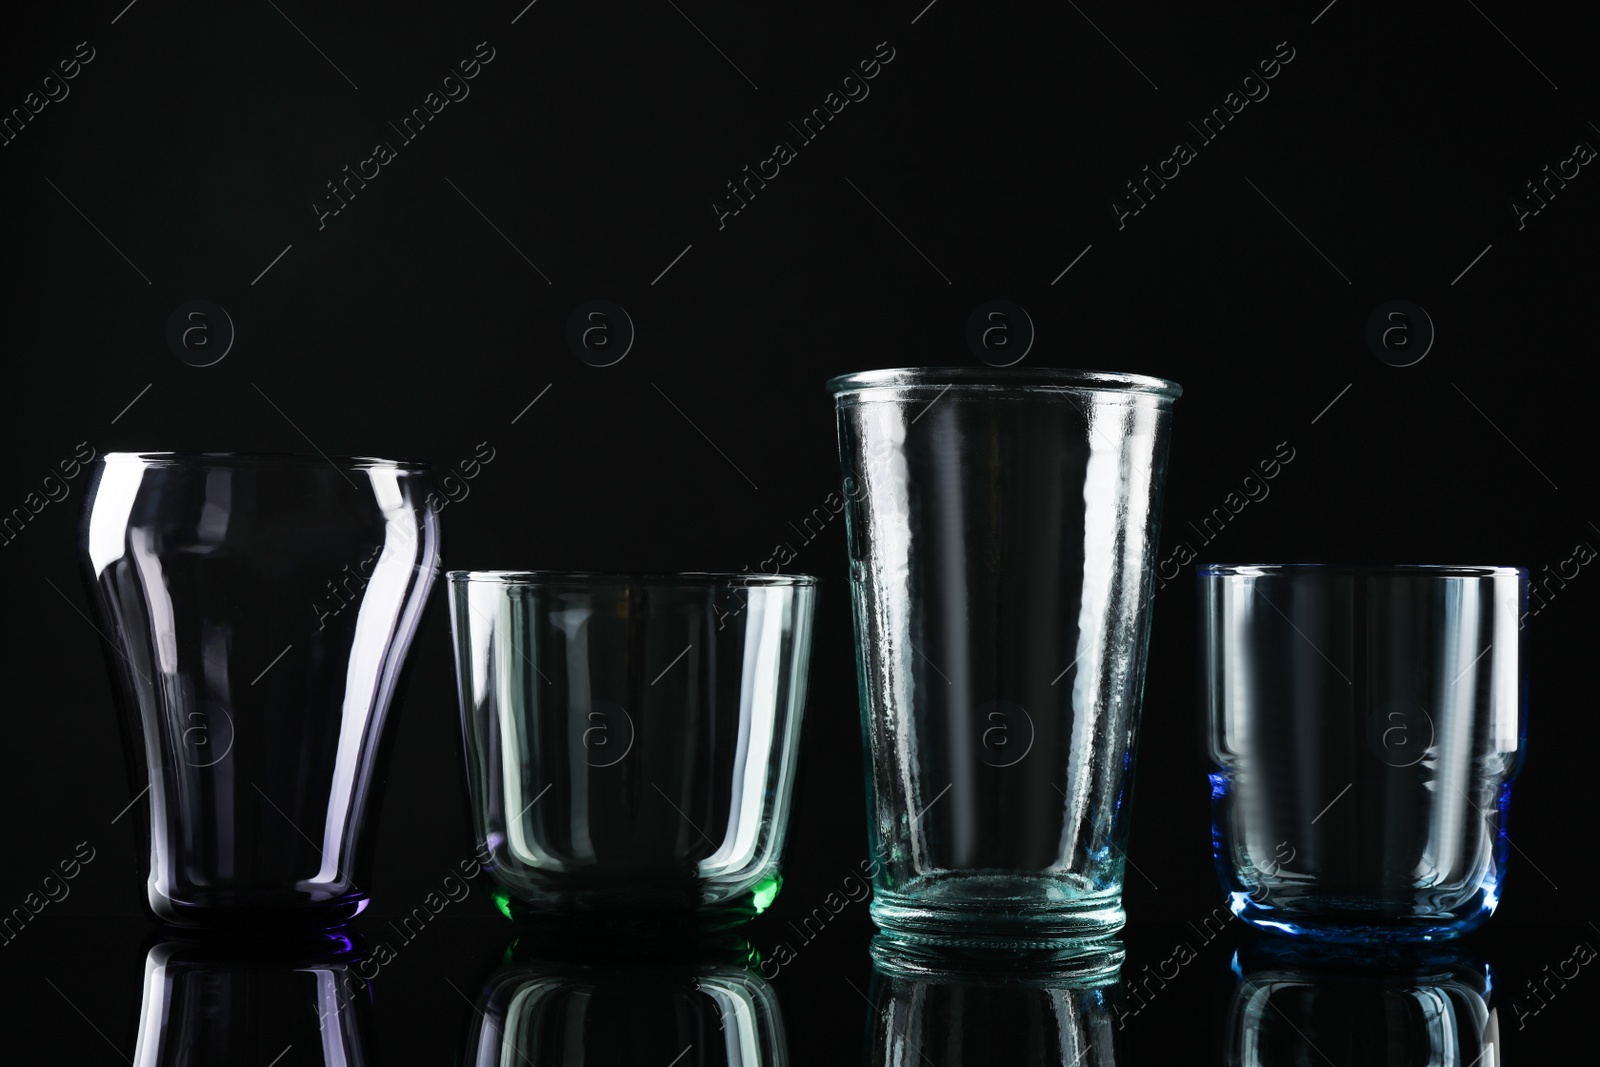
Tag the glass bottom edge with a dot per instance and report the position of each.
(291, 915)
(1002, 926)
(1360, 927)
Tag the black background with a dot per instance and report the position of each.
(1383, 165)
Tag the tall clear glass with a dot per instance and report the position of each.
(1364, 726)
(631, 739)
(1002, 527)
(257, 611)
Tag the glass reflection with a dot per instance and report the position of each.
(1361, 1007)
(936, 1006)
(216, 1001)
(596, 1000)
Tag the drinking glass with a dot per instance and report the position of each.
(1364, 726)
(631, 739)
(257, 611)
(1002, 527)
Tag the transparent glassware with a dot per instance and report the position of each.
(1364, 725)
(956, 1010)
(1002, 527)
(1304, 1003)
(596, 1001)
(256, 612)
(631, 739)
(226, 1000)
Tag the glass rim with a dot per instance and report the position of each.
(608, 579)
(1359, 570)
(1003, 378)
(245, 459)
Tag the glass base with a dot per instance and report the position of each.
(629, 911)
(978, 910)
(1339, 921)
(1086, 963)
(295, 912)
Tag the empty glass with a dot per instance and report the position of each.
(257, 610)
(1365, 724)
(1002, 527)
(631, 739)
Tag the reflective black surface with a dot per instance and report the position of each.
(1361, 1007)
(931, 1006)
(593, 1001)
(473, 989)
(231, 1001)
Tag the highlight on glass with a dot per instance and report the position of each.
(631, 739)
(1002, 527)
(1364, 726)
(257, 611)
